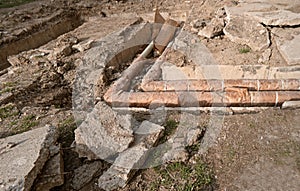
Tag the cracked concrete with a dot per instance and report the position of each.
(23, 166)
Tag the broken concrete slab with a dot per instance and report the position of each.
(23, 156)
(104, 133)
(52, 174)
(291, 105)
(213, 29)
(133, 158)
(85, 173)
(123, 168)
(148, 134)
(290, 49)
(276, 18)
(245, 7)
(107, 52)
(243, 30)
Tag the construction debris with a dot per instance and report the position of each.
(243, 30)
(104, 133)
(131, 159)
(19, 169)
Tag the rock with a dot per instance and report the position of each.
(52, 174)
(213, 29)
(104, 133)
(277, 18)
(290, 49)
(133, 158)
(243, 30)
(291, 105)
(84, 174)
(123, 168)
(82, 46)
(148, 134)
(23, 156)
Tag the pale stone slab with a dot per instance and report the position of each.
(123, 168)
(290, 50)
(23, 156)
(244, 30)
(276, 18)
(104, 133)
(147, 134)
(245, 7)
(131, 159)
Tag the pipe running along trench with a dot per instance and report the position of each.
(194, 93)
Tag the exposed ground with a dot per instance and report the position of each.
(257, 150)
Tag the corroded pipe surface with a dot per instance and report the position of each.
(238, 97)
(221, 85)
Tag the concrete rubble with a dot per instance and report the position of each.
(148, 133)
(244, 30)
(123, 168)
(112, 50)
(132, 159)
(19, 169)
(103, 134)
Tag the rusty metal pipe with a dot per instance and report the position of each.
(201, 99)
(221, 85)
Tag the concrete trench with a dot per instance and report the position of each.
(37, 35)
(198, 92)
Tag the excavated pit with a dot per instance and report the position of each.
(38, 34)
(263, 87)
